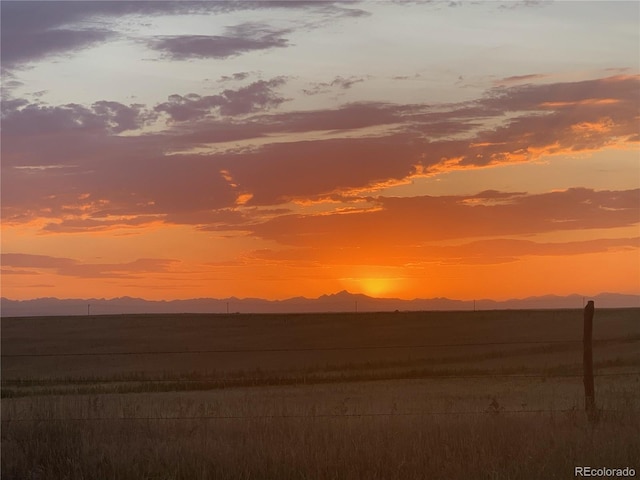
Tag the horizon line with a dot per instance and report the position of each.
(346, 292)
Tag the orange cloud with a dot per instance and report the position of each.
(73, 268)
(413, 220)
(586, 102)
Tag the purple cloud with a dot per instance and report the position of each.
(255, 97)
(521, 78)
(53, 156)
(236, 77)
(33, 30)
(20, 117)
(30, 46)
(238, 39)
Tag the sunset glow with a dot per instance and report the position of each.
(170, 150)
(380, 286)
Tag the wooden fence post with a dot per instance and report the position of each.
(589, 390)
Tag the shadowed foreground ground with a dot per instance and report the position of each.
(490, 411)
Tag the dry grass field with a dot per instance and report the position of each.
(451, 395)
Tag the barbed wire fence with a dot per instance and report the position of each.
(587, 374)
(487, 411)
(426, 374)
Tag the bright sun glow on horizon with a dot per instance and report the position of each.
(376, 286)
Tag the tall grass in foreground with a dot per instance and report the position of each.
(68, 419)
(481, 446)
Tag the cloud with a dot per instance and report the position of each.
(235, 77)
(255, 97)
(19, 117)
(531, 96)
(520, 78)
(338, 82)
(546, 119)
(351, 116)
(75, 223)
(345, 83)
(415, 220)
(119, 117)
(486, 251)
(35, 261)
(30, 46)
(520, 3)
(481, 252)
(53, 155)
(281, 172)
(15, 271)
(237, 40)
(534, 129)
(33, 30)
(115, 189)
(73, 268)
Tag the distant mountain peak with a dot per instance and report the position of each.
(342, 301)
(343, 293)
(346, 295)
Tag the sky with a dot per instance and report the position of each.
(274, 149)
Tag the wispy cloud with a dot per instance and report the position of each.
(236, 77)
(73, 268)
(482, 252)
(520, 79)
(339, 83)
(414, 220)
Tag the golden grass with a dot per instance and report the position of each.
(324, 422)
(303, 442)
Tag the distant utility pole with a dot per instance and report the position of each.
(88, 309)
(227, 308)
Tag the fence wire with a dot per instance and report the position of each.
(300, 379)
(488, 411)
(297, 349)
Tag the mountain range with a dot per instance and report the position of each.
(339, 302)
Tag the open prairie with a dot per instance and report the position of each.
(490, 394)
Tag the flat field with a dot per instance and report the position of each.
(490, 394)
